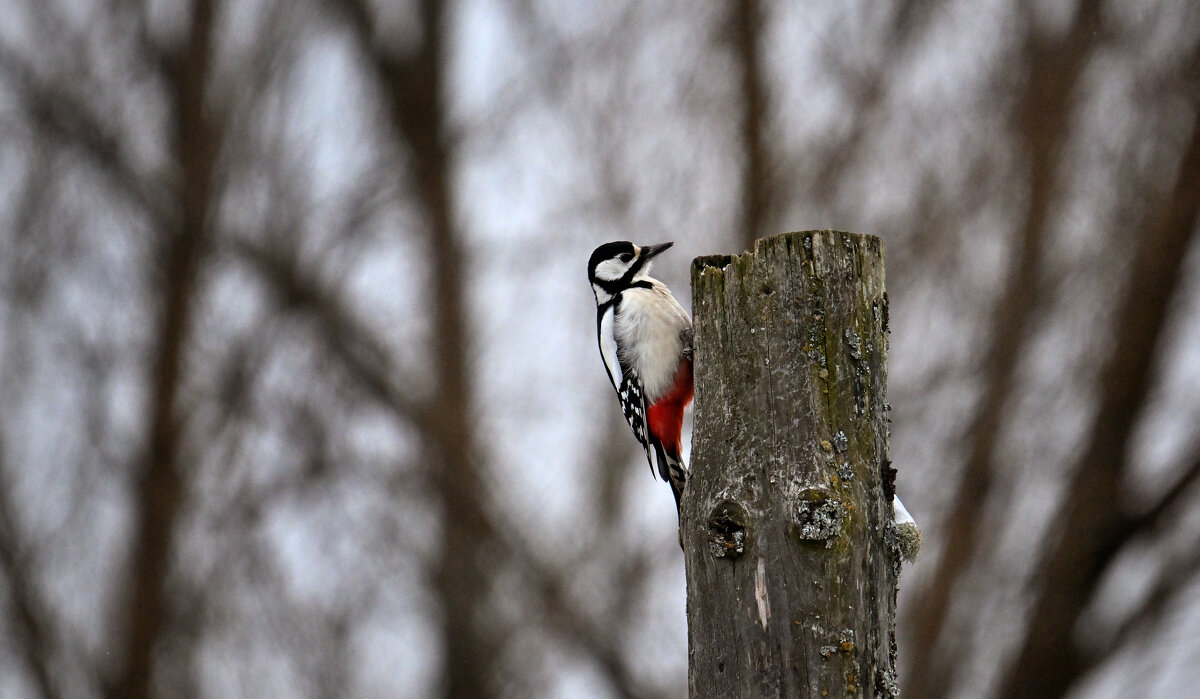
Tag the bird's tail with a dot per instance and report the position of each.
(673, 471)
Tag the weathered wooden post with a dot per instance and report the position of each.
(791, 562)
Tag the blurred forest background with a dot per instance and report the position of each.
(300, 390)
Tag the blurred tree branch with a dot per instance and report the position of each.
(1041, 116)
(746, 34)
(1175, 575)
(62, 119)
(589, 634)
(31, 621)
(353, 342)
(412, 87)
(1092, 525)
(161, 479)
(1151, 517)
(836, 154)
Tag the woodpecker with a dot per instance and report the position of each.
(645, 340)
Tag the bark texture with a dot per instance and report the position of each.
(791, 566)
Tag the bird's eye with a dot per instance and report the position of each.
(626, 257)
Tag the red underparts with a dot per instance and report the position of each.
(666, 415)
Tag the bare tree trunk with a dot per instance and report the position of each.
(1093, 524)
(413, 85)
(791, 570)
(746, 23)
(1044, 115)
(160, 484)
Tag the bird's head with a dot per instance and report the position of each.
(614, 266)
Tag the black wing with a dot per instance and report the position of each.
(633, 404)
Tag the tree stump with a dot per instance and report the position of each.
(791, 560)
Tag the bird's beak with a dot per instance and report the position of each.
(649, 251)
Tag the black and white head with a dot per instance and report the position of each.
(614, 267)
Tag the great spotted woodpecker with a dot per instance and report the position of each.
(645, 339)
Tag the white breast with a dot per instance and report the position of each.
(647, 326)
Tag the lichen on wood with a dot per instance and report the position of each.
(791, 584)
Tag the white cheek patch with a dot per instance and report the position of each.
(611, 270)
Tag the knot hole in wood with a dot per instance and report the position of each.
(727, 530)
